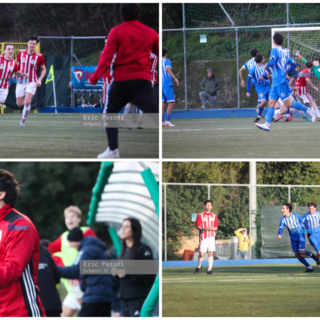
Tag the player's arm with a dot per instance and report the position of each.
(273, 59)
(297, 53)
(172, 75)
(55, 246)
(19, 249)
(43, 73)
(215, 224)
(291, 86)
(281, 226)
(308, 81)
(199, 224)
(106, 58)
(243, 84)
(248, 94)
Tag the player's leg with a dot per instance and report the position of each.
(266, 126)
(297, 246)
(20, 96)
(127, 109)
(203, 248)
(3, 95)
(261, 104)
(313, 105)
(314, 241)
(30, 92)
(203, 97)
(139, 125)
(211, 250)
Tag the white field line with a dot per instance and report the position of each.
(235, 129)
(236, 280)
(44, 122)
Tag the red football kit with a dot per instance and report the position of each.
(19, 261)
(300, 82)
(6, 69)
(133, 41)
(205, 220)
(29, 63)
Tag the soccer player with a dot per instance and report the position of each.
(19, 256)
(63, 255)
(248, 66)
(315, 63)
(9, 66)
(279, 60)
(262, 87)
(29, 62)
(132, 69)
(294, 223)
(300, 91)
(207, 223)
(312, 223)
(167, 90)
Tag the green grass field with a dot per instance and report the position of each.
(241, 291)
(239, 138)
(61, 136)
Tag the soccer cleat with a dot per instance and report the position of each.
(21, 125)
(312, 113)
(109, 154)
(257, 119)
(164, 124)
(169, 124)
(197, 270)
(288, 118)
(210, 272)
(278, 118)
(262, 126)
(306, 118)
(309, 270)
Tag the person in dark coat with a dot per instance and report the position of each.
(48, 277)
(98, 290)
(210, 85)
(134, 289)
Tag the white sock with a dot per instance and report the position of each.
(128, 108)
(277, 113)
(26, 111)
(200, 262)
(210, 263)
(317, 112)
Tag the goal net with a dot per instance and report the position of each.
(306, 42)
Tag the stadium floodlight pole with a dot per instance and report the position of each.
(71, 62)
(165, 222)
(289, 194)
(185, 57)
(288, 23)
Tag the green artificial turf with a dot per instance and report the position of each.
(241, 291)
(61, 136)
(236, 138)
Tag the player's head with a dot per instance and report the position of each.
(253, 52)
(259, 58)
(164, 52)
(8, 50)
(9, 188)
(72, 217)
(130, 11)
(75, 237)
(32, 42)
(316, 62)
(312, 207)
(286, 208)
(131, 230)
(208, 205)
(278, 39)
(309, 65)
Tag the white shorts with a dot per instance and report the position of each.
(305, 98)
(3, 95)
(208, 244)
(21, 89)
(281, 103)
(71, 302)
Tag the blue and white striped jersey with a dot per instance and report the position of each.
(166, 78)
(282, 60)
(250, 64)
(312, 222)
(294, 224)
(257, 72)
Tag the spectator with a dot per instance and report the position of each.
(98, 290)
(134, 289)
(209, 86)
(48, 277)
(64, 255)
(244, 242)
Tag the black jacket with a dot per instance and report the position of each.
(137, 286)
(48, 278)
(211, 85)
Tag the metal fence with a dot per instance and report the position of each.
(247, 24)
(237, 205)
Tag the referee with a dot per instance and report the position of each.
(132, 41)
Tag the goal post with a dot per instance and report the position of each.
(305, 40)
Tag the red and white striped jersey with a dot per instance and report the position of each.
(205, 220)
(300, 82)
(154, 61)
(6, 69)
(29, 63)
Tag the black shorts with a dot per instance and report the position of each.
(139, 92)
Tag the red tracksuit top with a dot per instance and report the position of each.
(19, 261)
(133, 41)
